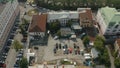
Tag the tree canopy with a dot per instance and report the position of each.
(17, 45)
(24, 63)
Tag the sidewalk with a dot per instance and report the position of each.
(111, 58)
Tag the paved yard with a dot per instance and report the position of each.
(45, 53)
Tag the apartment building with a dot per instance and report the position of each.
(63, 17)
(109, 21)
(9, 10)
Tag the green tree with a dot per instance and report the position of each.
(86, 41)
(17, 45)
(117, 62)
(69, 23)
(24, 63)
(59, 33)
(54, 26)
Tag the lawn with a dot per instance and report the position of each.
(33, 12)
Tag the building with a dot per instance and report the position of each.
(9, 10)
(109, 21)
(86, 17)
(66, 32)
(37, 28)
(31, 57)
(63, 16)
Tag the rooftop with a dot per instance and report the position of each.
(2, 6)
(76, 26)
(118, 42)
(108, 13)
(63, 14)
(38, 23)
(52, 66)
(86, 16)
(66, 31)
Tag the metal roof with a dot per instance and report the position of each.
(107, 13)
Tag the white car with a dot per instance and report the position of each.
(56, 37)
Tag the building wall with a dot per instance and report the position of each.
(116, 46)
(62, 17)
(100, 20)
(41, 34)
(7, 19)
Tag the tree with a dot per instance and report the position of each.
(117, 62)
(24, 63)
(17, 45)
(86, 40)
(59, 33)
(69, 23)
(99, 43)
(54, 26)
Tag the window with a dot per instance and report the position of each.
(111, 24)
(116, 26)
(114, 30)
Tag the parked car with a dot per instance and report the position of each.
(16, 66)
(4, 54)
(60, 46)
(56, 37)
(66, 47)
(7, 49)
(2, 65)
(56, 46)
(75, 52)
(54, 50)
(66, 51)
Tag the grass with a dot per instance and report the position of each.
(33, 12)
(65, 62)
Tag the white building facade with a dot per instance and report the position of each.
(109, 21)
(63, 17)
(9, 12)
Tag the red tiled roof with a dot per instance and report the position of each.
(87, 15)
(38, 23)
(118, 42)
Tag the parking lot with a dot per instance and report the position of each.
(62, 47)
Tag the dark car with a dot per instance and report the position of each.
(54, 50)
(9, 43)
(14, 29)
(16, 65)
(16, 25)
(66, 46)
(66, 51)
(7, 49)
(2, 65)
(12, 36)
(75, 46)
(60, 46)
(56, 46)
(78, 47)
(75, 52)
(4, 54)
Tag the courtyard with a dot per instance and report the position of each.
(46, 53)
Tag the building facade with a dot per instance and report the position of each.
(8, 13)
(37, 28)
(63, 17)
(109, 21)
(86, 17)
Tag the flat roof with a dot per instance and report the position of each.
(2, 6)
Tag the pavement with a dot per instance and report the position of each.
(10, 60)
(111, 57)
(45, 53)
